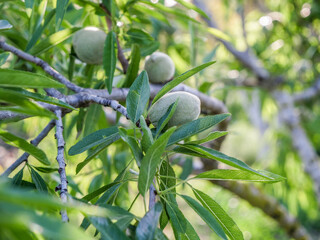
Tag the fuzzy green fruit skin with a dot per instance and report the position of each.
(88, 44)
(188, 108)
(160, 67)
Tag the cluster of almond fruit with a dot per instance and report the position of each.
(88, 44)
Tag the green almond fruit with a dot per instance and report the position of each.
(160, 67)
(88, 44)
(188, 108)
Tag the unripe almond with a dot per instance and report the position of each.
(160, 67)
(188, 108)
(88, 44)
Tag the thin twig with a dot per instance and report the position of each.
(35, 142)
(63, 187)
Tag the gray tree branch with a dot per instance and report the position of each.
(308, 94)
(63, 187)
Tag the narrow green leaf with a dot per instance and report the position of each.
(4, 25)
(72, 60)
(94, 111)
(151, 161)
(227, 223)
(218, 34)
(211, 136)
(23, 105)
(99, 191)
(38, 180)
(108, 230)
(147, 139)
(46, 169)
(147, 50)
(139, 36)
(37, 33)
(138, 97)
(157, 15)
(177, 219)
(147, 226)
(107, 196)
(116, 213)
(166, 117)
(42, 98)
(53, 40)
(133, 68)
(17, 179)
(167, 180)
(3, 58)
(96, 138)
(195, 127)
(206, 216)
(110, 58)
(190, 233)
(238, 175)
(94, 153)
(133, 144)
(25, 146)
(198, 150)
(61, 9)
(193, 7)
(177, 80)
(174, 11)
(16, 78)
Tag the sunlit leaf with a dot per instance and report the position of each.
(53, 40)
(25, 146)
(239, 175)
(16, 78)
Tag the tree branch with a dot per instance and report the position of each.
(63, 187)
(35, 142)
(301, 143)
(309, 93)
(246, 58)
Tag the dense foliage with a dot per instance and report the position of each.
(112, 174)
